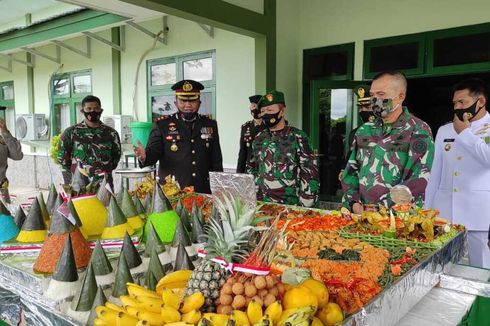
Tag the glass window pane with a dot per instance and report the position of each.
(164, 74)
(10, 119)
(62, 87)
(396, 56)
(82, 84)
(80, 116)
(462, 50)
(206, 107)
(8, 92)
(62, 112)
(162, 105)
(327, 64)
(199, 69)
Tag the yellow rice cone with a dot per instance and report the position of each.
(92, 213)
(31, 236)
(117, 232)
(136, 222)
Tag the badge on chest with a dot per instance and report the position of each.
(448, 144)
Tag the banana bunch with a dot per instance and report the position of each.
(175, 280)
(302, 316)
(146, 307)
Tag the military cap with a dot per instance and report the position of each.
(270, 98)
(188, 89)
(362, 92)
(255, 98)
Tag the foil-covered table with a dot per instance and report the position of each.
(389, 306)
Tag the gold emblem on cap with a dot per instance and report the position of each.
(269, 97)
(187, 87)
(361, 92)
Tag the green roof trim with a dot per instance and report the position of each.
(58, 27)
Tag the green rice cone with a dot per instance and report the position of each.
(85, 297)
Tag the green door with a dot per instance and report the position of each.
(333, 115)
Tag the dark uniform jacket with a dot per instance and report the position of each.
(247, 136)
(187, 154)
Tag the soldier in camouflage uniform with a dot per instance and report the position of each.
(283, 163)
(11, 148)
(396, 149)
(92, 143)
(249, 130)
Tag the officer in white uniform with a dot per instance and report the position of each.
(459, 183)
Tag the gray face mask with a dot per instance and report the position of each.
(382, 107)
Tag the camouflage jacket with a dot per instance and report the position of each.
(385, 155)
(98, 149)
(9, 148)
(285, 168)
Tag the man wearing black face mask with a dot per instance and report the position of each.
(186, 143)
(459, 184)
(249, 130)
(92, 143)
(283, 163)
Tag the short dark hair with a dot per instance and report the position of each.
(90, 98)
(394, 73)
(475, 87)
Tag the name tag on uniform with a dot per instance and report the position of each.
(449, 140)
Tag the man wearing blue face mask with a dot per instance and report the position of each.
(394, 150)
(459, 184)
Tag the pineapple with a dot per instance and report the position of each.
(227, 237)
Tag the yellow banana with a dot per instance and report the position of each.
(170, 298)
(179, 292)
(179, 323)
(239, 318)
(219, 319)
(124, 319)
(143, 323)
(205, 322)
(107, 315)
(137, 290)
(149, 303)
(265, 321)
(171, 285)
(191, 302)
(254, 312)
(274, 311)
(100, 322)
(192, 317)
(316, 322)
(169, 314)
(113, 306)
(153, 318)
(133, 310)
(297, 317)
(127, 300)
(181, 276)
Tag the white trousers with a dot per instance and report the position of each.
(478, 251)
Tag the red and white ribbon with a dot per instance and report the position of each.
(236, 267)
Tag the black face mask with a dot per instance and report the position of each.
(188, 116)
(367, 116)
(92, 116)
(271, 119)
(471, 110)
(255, 113)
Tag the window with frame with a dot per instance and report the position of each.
(7, 100)
(162, 73)
(68, 91)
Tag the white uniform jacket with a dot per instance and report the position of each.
(459, 183)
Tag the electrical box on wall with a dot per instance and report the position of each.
(121, 124)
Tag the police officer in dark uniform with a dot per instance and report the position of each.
(247, 135)
(186, 143)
